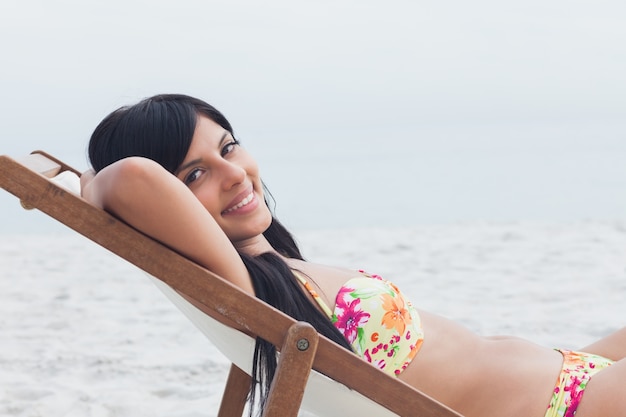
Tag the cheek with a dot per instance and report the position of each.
(250, 164)
(253, 173)
(208, 200)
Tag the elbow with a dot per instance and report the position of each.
(128, 181)
(135, 168)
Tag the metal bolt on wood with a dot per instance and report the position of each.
(302, 344)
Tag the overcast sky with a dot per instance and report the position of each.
(285, 69)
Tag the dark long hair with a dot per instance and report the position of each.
(161, 128)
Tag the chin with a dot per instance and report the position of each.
(250, 232)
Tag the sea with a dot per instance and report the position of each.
(427, 174)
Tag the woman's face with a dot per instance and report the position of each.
(225, 178)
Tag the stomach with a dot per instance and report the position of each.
(482, 376)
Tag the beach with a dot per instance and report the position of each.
(471, 152)
(84, 333)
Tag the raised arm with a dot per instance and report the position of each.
(145, 195)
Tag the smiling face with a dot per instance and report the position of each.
(225, 178)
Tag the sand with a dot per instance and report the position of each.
(83, 333)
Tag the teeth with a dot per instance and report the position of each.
(243, 202)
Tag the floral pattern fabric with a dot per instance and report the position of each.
(578, 368)
(380, 324)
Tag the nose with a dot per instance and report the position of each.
(232, 174)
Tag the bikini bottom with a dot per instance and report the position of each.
(578, 368)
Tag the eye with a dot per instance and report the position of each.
(229, 147)
(193, 175)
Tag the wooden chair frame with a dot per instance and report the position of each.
(301, 348)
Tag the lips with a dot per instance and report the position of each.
(242, 200)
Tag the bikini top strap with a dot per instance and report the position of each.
(314, 294)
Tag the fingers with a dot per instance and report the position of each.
(85, 179)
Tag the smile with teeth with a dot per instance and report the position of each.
(247, 200)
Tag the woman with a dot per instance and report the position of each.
(171, 167)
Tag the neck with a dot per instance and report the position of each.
(254, 246)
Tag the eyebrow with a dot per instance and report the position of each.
(195, 161)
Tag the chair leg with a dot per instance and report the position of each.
(235, 393)
(292, 373)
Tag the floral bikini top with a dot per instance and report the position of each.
(379, 323)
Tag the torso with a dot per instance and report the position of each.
(474, 375)
(480, 376)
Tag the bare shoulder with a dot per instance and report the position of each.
(327, 279)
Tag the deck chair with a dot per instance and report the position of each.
(314, 374)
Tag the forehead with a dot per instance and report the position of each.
(207, 134)
(208, 130)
